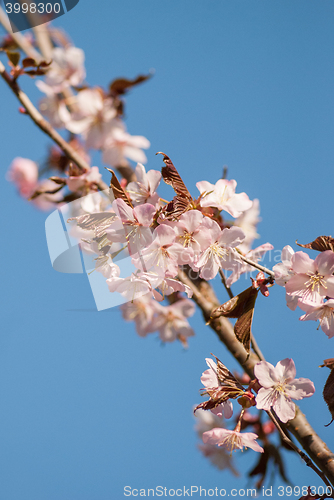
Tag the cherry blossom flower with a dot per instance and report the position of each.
(131, 288)
(219, 252)
(232, 440)
(283, 272)
(313, 278)
(47, 201)
(171, 323)
(242, 267)
(322, 311)
(106, 266)
(140, 311)
(88, 180)
(279, 387)
(218, 456)
(144, 189)
(222, 195)
(53, 106)
(94, 117)
(191, 233)
(132, 226)
(210, 380)
(248, 221)
(120, 145)
(67, 68)
(24, 174)
(163, 256)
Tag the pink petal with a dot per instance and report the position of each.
(238, 204)
(231, 237)
(165, 235)
(191, 220)
(324, 262)
(300, 388)
(123, 210)
(154, 177)
(286, 369)
(284, 408)
(297, 284)
(301, 263)
(266, 374)
(249, 441)
(144, 214)
(205, 186)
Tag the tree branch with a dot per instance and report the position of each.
(205, 298)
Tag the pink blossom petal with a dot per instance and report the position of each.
(266, 374)
(191, 220)
(154, 178)
(238, 204)
(123, 210)
(284, 408)
(165, 235)
(324, 262)
(301, 263)
(286, 369)
(300, 388)
(144, 214)
(296, 284)
(231, 237)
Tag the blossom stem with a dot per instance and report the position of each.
(287, 440)
(257, 266)
(223, 278)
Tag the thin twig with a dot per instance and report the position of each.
(228, 289)
(288, 441)
(257, 266)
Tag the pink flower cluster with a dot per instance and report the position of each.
(309, 284)
(276, 387)
(90, 112)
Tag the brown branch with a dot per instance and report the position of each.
(205, 298)
(19, 39)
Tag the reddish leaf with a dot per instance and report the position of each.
(117, 189)
(242, 307)
(234, 307)
(243, 327)
(28, 62)
(173, 178)
(225, 377)
(122, 85)
(219, 395)
(322, 243)
(328, 392)
(183, 200)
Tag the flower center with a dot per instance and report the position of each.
(231, 442)
(315, 282)
(216, 249)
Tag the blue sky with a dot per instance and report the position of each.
(88, 407)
